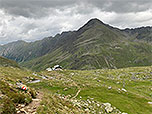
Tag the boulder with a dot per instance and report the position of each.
(107, 104)
(124, 90)
(57, 67)
(109, 87)
(108, 109)
(49, 69)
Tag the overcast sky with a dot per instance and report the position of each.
(32, 20)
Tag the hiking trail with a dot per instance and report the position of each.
(31, 107)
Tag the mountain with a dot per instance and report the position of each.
(6, 62)
(95, 45)
(22, 51)
(142, 33)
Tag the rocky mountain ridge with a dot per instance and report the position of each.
(94, 45)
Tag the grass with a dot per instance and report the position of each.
(53, 104)
(93, 84)
(6, 62)
(9, 93)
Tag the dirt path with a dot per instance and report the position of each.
(76, 94)
(31, 108)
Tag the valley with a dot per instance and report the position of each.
(104, 70)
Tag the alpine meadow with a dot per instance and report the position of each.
(75, 57)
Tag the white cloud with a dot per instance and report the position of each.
(132, 19)
(52, 19)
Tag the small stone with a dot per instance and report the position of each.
(109, 87)
(65, 89)
(29, 110)
(22, 105)
(36, 99)
(93, 102)
(86, 110)
(98, 81)
(18, 112)
(22, 109)
(34, 113)
(89, 101)
(100, 112)
(19, 105)
(91, 98)
(72, 74)
(124, 90)
(118, 82)
(98, 105)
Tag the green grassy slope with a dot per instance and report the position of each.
(94, 86)
(10, 95)
(6, 62)
(89, 87)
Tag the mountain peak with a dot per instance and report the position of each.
(94, 21)
(91, 23)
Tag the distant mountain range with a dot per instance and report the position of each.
(95, 45)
